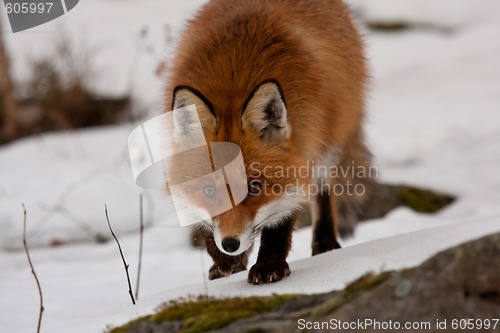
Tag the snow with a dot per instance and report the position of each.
(433, 121)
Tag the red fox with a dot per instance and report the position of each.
(285, 80)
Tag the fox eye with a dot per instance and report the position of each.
(209, 191)
(254, 187)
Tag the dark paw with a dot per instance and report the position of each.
(268, 272)
(324, 245)
(217, 271)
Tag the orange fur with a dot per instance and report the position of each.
(310, 48)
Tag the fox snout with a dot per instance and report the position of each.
(232, 245)
(233, 240)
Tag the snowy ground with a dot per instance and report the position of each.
(434, 121)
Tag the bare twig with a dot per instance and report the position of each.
(33, 272)
(121, 254)
(141, 232)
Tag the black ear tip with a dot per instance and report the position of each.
(193, 94)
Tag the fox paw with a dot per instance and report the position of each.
(324, 245)
(217, 271)
(268, 272)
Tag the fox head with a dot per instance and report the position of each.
(261, 129)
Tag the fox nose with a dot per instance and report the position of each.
(230, 244)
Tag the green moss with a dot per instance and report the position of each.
(208, 314)
(366, 282)
(204, 314)
(127, 326)
(423, 201)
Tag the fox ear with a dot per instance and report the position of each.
(265, 113)
(185, 96)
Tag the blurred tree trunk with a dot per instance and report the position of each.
(8, 105)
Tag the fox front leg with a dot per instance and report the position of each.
(271, 265)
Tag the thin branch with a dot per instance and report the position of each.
(121, 254)
(141, 232)
(33, 272)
